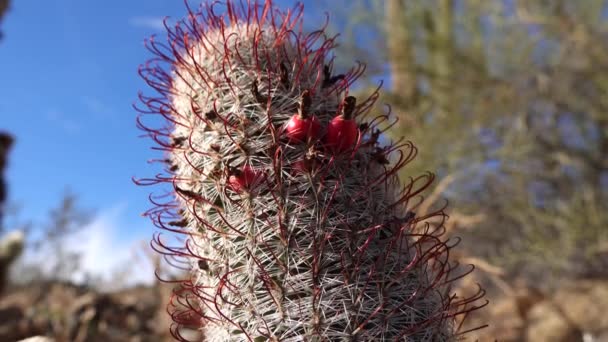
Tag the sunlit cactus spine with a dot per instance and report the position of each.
(295, 226)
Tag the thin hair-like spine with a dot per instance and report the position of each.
(286, 241)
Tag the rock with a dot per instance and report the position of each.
(585, 303)
(600, 337)
(547, 324)
(526, 297)
(10, 318)
(502, 317)
(505, 323)
(75, 313)
(11, 247)
(38, 339)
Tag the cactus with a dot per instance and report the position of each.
(6, 142)
(11, 247)
(295, 226)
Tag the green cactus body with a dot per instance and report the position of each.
(287, 240)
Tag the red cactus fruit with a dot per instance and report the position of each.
(302, 126)
(325, 248)
(343, 131)
(241, 180)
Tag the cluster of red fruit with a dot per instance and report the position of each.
(341, 134)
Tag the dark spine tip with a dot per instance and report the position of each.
(178, 141)
(409, 216)
(254, 89)
(202, 264)
(336, 78)
(256, 92)
(326, 73)
(328, 80)
(233, 171)
(326, 76)
(380, 156)
(284, 75)
(181, 223)
(187, 193)
(305, 102)
(211, 115)
(374, 136)
(348, 107)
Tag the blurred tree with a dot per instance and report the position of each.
(11, 245)
(65, 223)
(4, 5)
(6, 141)
(441, 26)
(400, 57)
(507, 102)
(54, 254)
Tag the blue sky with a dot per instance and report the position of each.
(69, 78)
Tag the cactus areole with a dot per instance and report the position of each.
(285, 236)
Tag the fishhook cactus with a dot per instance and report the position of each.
(295, 226)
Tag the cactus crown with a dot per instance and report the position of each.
(287, 240)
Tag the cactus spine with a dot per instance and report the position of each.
(307, 239)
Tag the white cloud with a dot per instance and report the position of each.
(96, 106)
(155, 23)
(106, 255)
(58, 118)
